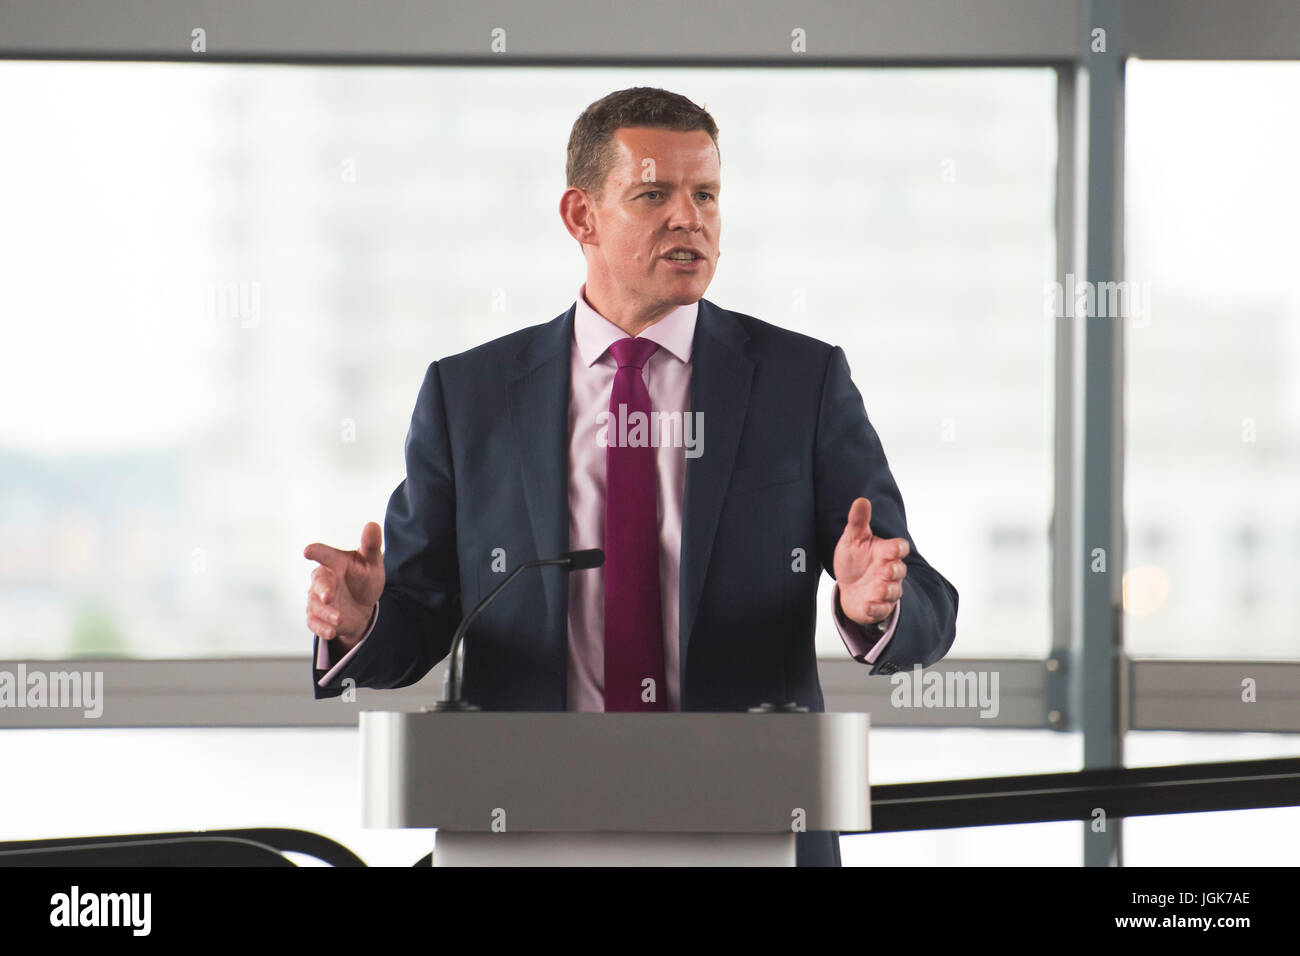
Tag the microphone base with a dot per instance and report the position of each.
(452, 706)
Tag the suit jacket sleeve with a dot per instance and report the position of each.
(420, 606)
(850, 463)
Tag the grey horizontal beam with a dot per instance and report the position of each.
(274, 692)
(1210, 29)
(921, 32)
(892, 701)
(233, 692)
(567, 30)
(1215, 695)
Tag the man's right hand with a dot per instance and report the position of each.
(345, 587)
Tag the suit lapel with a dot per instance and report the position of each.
(539, 412)
(721, 374)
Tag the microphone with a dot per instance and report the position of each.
(582, 560)
(569, 561)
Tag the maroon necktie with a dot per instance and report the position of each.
(634, 632)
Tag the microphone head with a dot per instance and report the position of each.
(582, 560)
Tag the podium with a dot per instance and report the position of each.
(508, 788)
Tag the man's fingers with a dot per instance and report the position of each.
(324, 582)
(890, 549)
(885, 591)
(372, 539)
(320, 628)
(323, 610)
(324, 554)
(887, 585)
(891, 579)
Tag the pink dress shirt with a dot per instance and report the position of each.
(668, 378)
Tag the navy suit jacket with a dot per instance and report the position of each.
(787, 448)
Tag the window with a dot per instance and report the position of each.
(230, 280)
(1213, 402)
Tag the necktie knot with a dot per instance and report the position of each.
(633, 353)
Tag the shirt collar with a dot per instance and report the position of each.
(594, 333)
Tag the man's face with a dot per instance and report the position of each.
(660, 196)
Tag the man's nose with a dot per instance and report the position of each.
(686, 214)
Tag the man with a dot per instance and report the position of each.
(715, 526)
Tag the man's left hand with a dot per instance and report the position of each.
(869, 570)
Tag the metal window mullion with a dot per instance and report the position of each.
(1097, 687)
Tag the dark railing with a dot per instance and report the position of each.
(938, 805)
(196, 851)
(1122, 792)
(257, 846)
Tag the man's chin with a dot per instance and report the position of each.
(685, 292)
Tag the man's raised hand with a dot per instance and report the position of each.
(868, 570)
(345, 587)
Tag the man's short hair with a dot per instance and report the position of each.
(592, 150)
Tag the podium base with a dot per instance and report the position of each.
(613, 849)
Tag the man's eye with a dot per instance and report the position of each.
(659, 192)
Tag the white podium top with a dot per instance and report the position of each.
(616, 772)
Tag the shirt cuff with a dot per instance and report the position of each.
(863, 642)
(323, 653)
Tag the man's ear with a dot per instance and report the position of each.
(575, 212)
